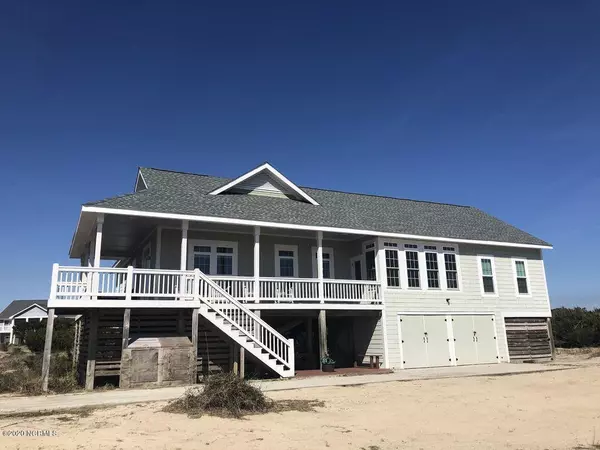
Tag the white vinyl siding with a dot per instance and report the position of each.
(469, 298)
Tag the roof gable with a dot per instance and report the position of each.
(20, 306)
(266, 181)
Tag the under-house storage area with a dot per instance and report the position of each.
(432, 340)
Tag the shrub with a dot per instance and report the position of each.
(33, 334)
(21, 373)
(576, 327)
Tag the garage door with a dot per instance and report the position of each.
(424, 341)
(527, 338)
(475, 339)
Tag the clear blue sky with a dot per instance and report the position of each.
(490, 104)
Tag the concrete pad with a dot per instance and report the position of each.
(16, 405)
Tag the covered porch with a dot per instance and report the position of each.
(155, 263)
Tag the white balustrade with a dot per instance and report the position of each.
(104, 283)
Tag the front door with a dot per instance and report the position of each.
(356, 264)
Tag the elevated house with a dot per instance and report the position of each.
(20, 310)
(263, 275)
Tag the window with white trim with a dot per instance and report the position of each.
(521, 276)
(286, 260)
(412, 266)
(224, 261)
(202, 256)
(431, 263)
(451, 270)
(392, 264)
(488, 277)
(213, 257)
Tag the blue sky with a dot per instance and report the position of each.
(490, 104)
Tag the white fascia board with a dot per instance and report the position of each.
(290, 226)
(14, 316)
(275, 173)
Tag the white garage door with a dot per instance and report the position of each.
(426, 342)
(474, 339)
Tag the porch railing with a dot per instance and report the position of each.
(105, 283)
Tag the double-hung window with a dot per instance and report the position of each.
(451, 267)
(412, 265)
(520, 266)
(286, 260)
(392, 264)
(431, 263)
(214, 257)
(488, 275)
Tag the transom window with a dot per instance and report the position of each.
(521, 275)
(412, 268)
(286, 260)
(213, 257)
(487, 275)
(433, 275)
(451, 270)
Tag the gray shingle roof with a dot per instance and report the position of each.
(184, 193)
(19, 305)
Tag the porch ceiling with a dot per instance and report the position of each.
(122, 233)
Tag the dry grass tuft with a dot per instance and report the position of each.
(226, 395)
(21, 373)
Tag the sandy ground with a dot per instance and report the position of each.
(552, 410)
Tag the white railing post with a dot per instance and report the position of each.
(291, 356)
(54, 282)
(196, 286)
(129, 283)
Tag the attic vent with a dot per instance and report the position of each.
(263, 184)
(265, 180)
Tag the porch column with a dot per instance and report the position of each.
(322, 336)
(194, 371)
(184, 246)
(98, 241)
(382, 278)
(256, 264)
(12, 337)
(320, 266)
(47, 350)
(90, 371)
